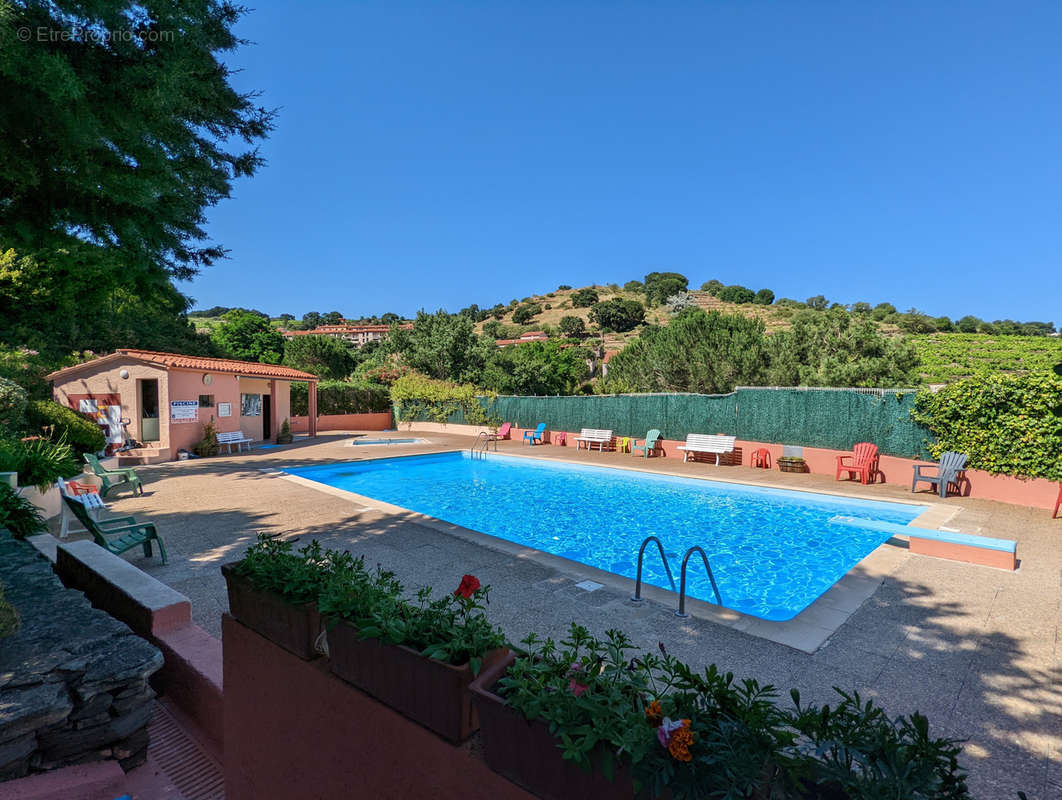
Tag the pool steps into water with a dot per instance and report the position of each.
(637, 597)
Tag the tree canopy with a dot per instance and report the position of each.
(248, 337)
(113, 148)
(324, 356)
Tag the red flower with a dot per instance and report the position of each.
(469, 584)
(577, 688)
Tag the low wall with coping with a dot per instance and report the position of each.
(191, 673)
(73, 680)
(293, 729)
(344, 422)
(1035, 492)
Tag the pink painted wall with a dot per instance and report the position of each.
(294, 730)
(344, 422)
(1036, 492)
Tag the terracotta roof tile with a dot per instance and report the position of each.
(250, 369)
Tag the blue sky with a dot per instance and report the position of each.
(438, 154)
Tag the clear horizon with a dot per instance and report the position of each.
(432, 158)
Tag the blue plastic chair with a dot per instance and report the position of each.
(531, 437)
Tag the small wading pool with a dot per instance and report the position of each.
(365, 442)
(773, 551)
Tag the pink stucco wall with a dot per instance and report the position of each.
(344, 422)
(1036, 492)
(177, 384)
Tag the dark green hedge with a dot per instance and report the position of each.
(83, 435)
(341, 397)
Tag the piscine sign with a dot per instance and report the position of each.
(184, 410)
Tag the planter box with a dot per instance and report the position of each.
(526, 752)
(293, 627)
(792, 466)
(428, 691)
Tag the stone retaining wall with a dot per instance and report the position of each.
(73, 680)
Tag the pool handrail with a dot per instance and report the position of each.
(682, 592)
(637, 597)
(476, 449)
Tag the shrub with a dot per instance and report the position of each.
(618, 315)
(419, 397)
(343, 397)
(634, 286)
(83, 435)
(526, 312)
(764, 297)
(736, 294)
(712, 287)
(547, 306)
(572, 327)
(284, 434)
(584, 298)
(818, 302)
(12, 406)
(208, 446)
(19, 515)
(661, 285)
(1006, 424)
(563, 287)
(38, 462)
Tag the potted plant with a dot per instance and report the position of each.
(284, 435)
(208, 446)
(588, 721)
(792, 464)
(273, 591)
(417, 658)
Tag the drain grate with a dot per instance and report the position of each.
(195, 774)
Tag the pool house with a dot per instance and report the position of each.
(164, 400)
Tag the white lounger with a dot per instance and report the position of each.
(707, 443)
(592, 436)
(237, 438)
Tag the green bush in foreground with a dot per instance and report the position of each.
(38, 462)
(81, 434)
(19, 515)
(1006, 424)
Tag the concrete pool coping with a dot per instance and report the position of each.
(806, 632)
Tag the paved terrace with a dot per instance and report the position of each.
(975, 649)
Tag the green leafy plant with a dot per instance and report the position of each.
(342, 397)
(18, 514)
(83, 435)
(12, 406)
(273, 565)
(9, 617)
(417, 397)
(284, 435)
(1006, 424)
(208, 445)
(38, 461)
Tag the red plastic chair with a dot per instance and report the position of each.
(559, 438)
(762, 458)
(864, 462)
(1058, 502)
(77, 488)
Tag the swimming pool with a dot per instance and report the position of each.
(773, 551)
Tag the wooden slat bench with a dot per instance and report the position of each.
(716, 444)
(592, 436)
(983, 550)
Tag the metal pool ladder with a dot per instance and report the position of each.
(682, 591)
(480, 451)
(637, 598)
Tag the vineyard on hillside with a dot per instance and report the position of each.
(947, 357)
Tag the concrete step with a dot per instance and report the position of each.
(147, 455)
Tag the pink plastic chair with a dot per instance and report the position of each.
(503, 432)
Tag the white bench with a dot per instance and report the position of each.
(716, 444)
(592, 436)
(237, 438)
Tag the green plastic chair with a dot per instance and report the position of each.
(651, 440)
(113, 478)
(119, 533)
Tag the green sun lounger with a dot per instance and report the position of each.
(113, 478)
(117, 534)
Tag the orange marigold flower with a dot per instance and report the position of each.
(653, 713)
(681, 741)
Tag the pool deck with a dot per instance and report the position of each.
(974, 648)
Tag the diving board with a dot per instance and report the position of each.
(983, 550)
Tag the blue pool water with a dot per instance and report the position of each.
(773, 551)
